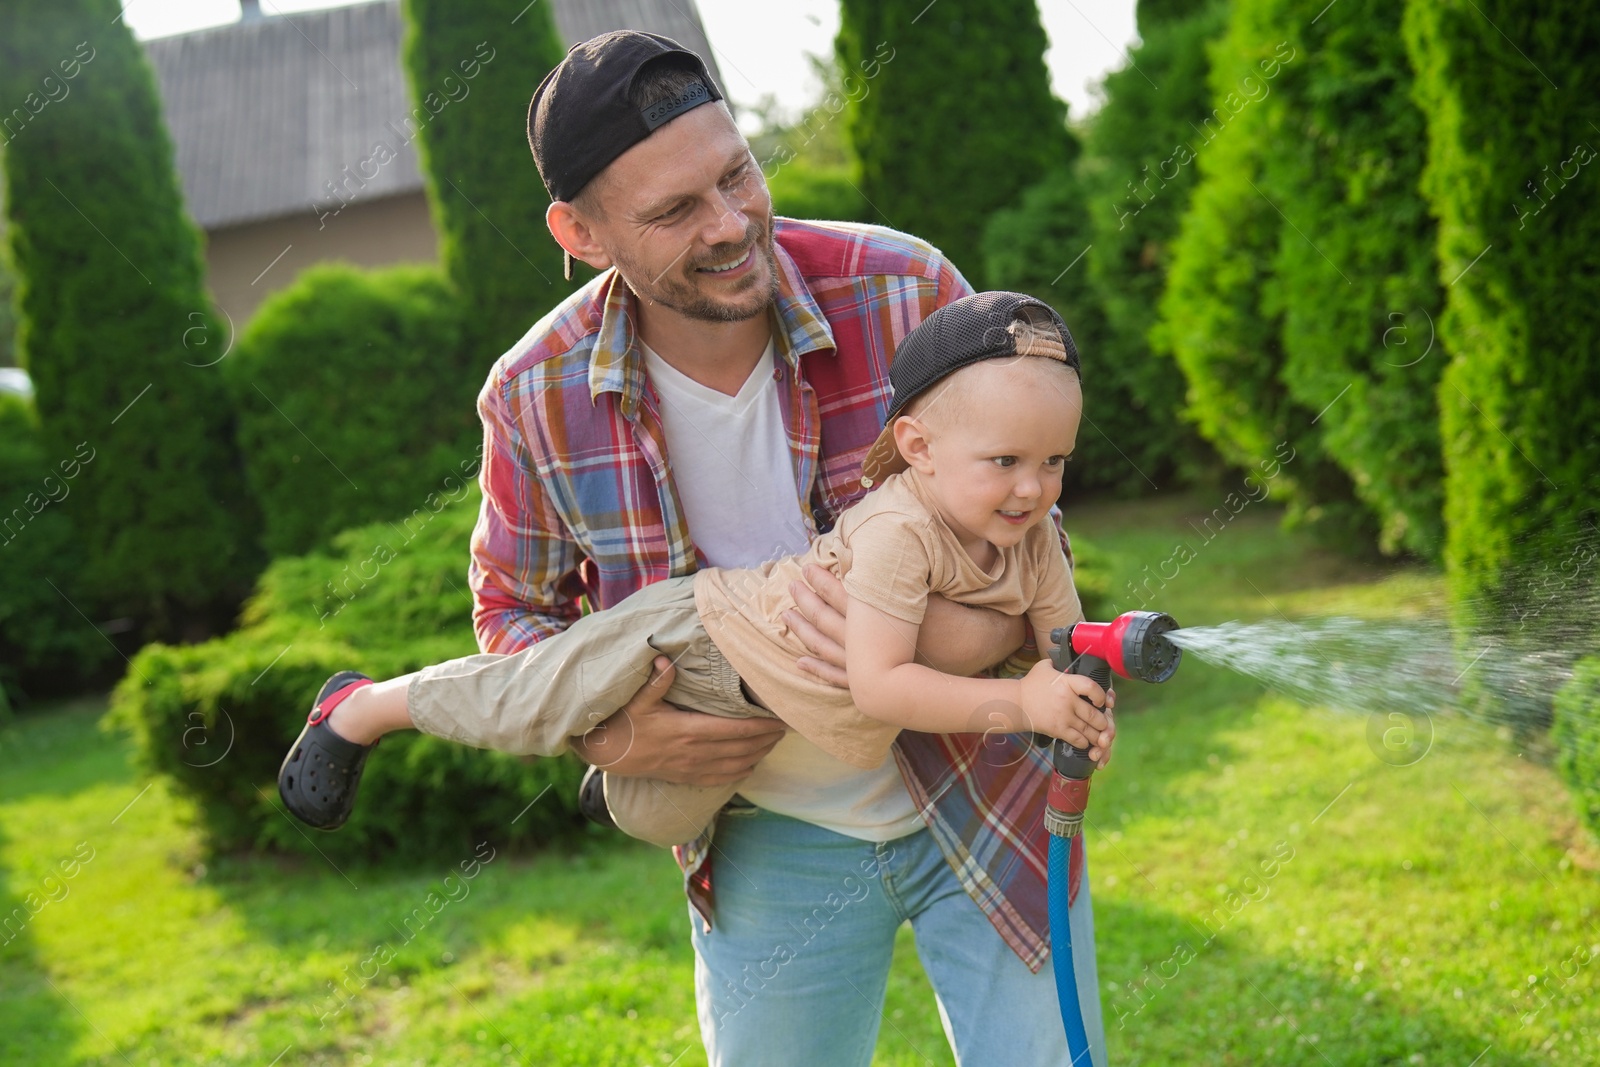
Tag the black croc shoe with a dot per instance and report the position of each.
(318, 779)
(592, 798)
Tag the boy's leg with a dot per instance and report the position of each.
(529, 703)
(373, 710)
(664, 813)
(534, 701)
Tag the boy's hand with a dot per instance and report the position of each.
(1071, 707)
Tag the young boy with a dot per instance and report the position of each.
(985, 414)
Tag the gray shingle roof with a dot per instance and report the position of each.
(265, 114)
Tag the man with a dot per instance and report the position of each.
(708, 400)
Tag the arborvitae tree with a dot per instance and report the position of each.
(806, 161)
(472, 72)
(951, 115)
(1137, 174)
(45, 646)
(1154, 13)
(1576, 732)
(1355, 264)
(8, 314)
(1222, 315)
(115, 326)
(1513, 152)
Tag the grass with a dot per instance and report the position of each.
(1267, 891)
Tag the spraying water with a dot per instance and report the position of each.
(1503, 674)
(1360, 665)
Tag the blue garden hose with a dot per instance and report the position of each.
(1068, 796)
(1061, 952)
(1133, 645)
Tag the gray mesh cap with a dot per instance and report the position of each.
(963, 332)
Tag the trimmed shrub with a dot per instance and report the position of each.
(806, 161)
(8, 312)
(1576, 733)
(1154, 14)
(112, 306)
(1223, 312)
(217, 719)
(355, 399)
(1355, 268)
(957, 118)
(1091, 574)
(45, 645)
(1069, 242)
(801, 191)
(1136, 176)
(1509, 152)
(471, 80)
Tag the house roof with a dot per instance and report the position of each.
(267, 114)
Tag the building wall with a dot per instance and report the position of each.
(241, 271)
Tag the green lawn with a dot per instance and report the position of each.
(1267, 891)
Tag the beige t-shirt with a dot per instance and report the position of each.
(891, 550)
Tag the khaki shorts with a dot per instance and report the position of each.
(534, 701)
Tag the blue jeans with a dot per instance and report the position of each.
(795, 966)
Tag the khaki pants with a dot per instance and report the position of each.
(533, 702)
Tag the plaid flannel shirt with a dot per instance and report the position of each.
(578, 501)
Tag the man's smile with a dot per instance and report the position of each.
(734, 264)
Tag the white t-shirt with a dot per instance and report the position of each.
(735, 477)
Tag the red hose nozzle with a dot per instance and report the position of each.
(1133, 644)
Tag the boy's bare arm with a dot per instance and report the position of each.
(888, 685)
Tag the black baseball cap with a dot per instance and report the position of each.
(580, 118)
(963, 332)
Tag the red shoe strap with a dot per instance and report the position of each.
(333, 700)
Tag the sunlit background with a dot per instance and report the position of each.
(762, 45)
(1331, 268)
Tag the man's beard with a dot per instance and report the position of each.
(677, 294)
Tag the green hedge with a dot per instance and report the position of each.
(1136, 175)
(956, 119)
(472, 68)
(46, 647)
(1512, 158)
(1222, 316)
(217, 719)
(355, 400)
(1153, 15)
(1355, 266)
(1576, 733)
(115, 321)
(802, 191)
(1091, 573)
(8, 311)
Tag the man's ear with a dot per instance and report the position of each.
(912, 438)
(574, 232)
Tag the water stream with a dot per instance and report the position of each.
(1502, 676)
(1401, 674)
